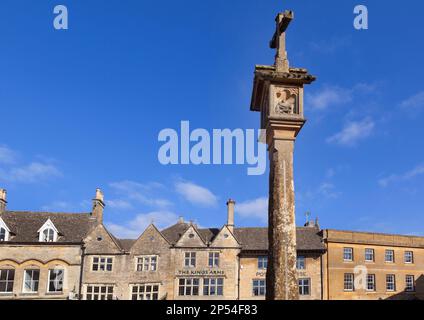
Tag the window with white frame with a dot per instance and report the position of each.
(56, 278)
(48, 232)
(213, 286)
(369, 255)
(301, 263)
(348, 254)
(4, 234)
(145, 291)
(4, 231)
(190, 259)
(389, 256)
(188, 286)
(213, 259)
(349, 282)
(258, 288)
(31, 280)
(147, 263)
(409, 257)
(390, 282)
(99, 292)
(409, 283)
(262, 262)
(370, 282)
(102, 264)
(7, 277)
(304, 287)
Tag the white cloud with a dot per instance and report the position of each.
(418, 170)
(196, 194)
(57, 206)
(34, 172)
(353, 132)
(7, 155)
(138, 192)
(256, 208)
(414, 102)
(328, 190)
(119, 204)
(329, 96)
(134, 228)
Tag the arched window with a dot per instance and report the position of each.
(2, 234)
(48, 235)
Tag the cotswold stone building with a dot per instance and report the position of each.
(46, 255)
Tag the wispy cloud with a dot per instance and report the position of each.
(31, 173)
(256, 208)
(57, 206)
(132, 191)
(329, 96)
(330, 46)
(394, 178)
(196, 194)
(414, 102)
(7, 155)
(135, 227)
(353, 132)
(328, 190)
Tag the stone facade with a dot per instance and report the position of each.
(388, 260)
(184, 262)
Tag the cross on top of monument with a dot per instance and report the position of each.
(279, 40)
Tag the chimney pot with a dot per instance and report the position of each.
(98, 206)
(230, 214)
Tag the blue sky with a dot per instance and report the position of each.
(82, 108)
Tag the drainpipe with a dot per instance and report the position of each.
(322, 278)
(81, 272)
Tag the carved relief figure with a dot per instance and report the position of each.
(286, 101)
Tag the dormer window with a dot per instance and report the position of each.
(4, 231)
(48, 235)
(48, 232)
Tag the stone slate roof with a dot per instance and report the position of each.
(256, 239)
(24, 225)
(126, 244)
(251, 239)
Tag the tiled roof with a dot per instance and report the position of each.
(24, 225)
(307, 238)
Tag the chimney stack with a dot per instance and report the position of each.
(98, 206)
(230, 214)
(3, 201)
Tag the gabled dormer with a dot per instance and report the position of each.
(225, 239)
(4, 231)
(48, 232)
(191, 238)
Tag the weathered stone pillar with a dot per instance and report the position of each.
(278, 95)
(281, 275)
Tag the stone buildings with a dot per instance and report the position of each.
(72, 255)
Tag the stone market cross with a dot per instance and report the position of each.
(278, 96)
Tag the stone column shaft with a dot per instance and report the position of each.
(282, 283)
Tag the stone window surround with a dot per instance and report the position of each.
(214, 257)
(302, 286)
(410, 283)
(260, 287)
(408, 257)
(389, 253)
(8, 279)
(390, 282)
(348, 251)
(372, 253)
(99, 263)
(190, 259)
(152, 292)
(106, 294)
(143, 262)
